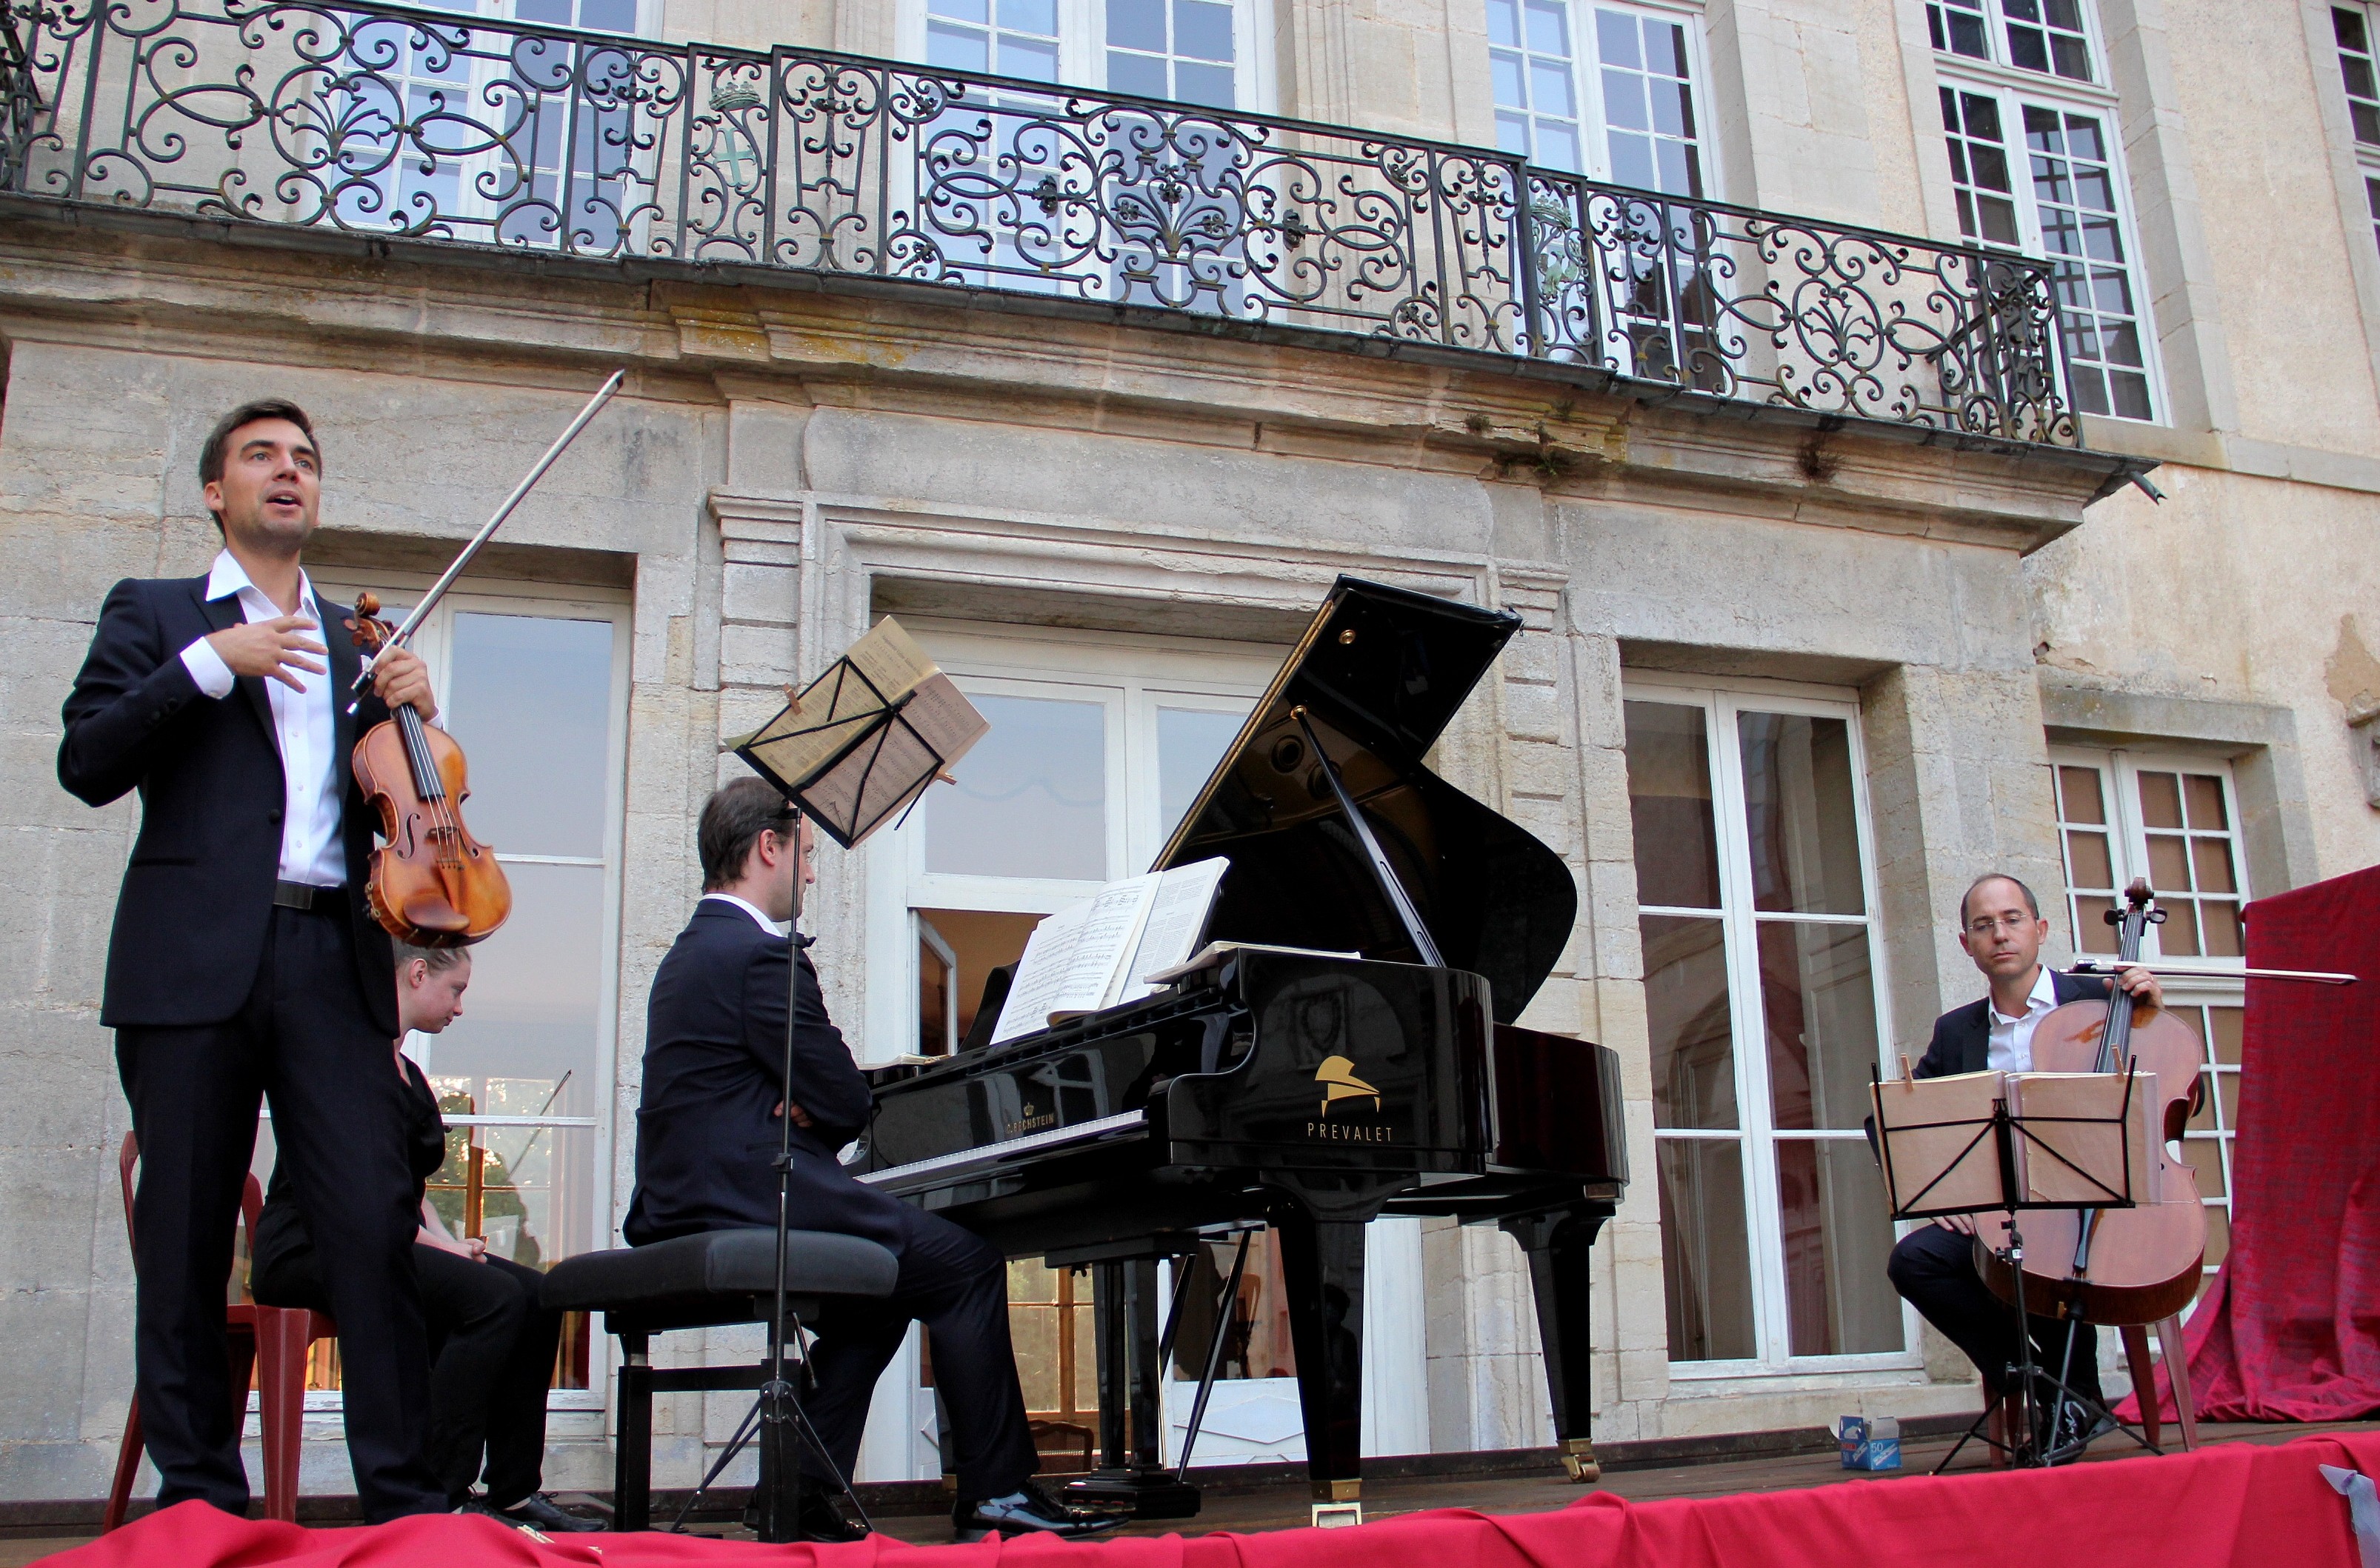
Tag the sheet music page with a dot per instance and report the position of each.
(1177, 917)
(1071, 971)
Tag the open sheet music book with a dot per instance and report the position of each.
(1096, 954)
(2076, 1139)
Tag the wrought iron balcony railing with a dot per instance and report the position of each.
(452, 126)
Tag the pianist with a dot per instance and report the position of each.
(707, 1137)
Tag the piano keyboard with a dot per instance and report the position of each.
(994, 1153)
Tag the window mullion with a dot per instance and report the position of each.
(1741, 924)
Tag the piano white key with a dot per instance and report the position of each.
(1081, 1132)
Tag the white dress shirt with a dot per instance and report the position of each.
(772, 927)
(2012, 1049)
(310, 848)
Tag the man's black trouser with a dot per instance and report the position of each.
(303, 1040)
(490, 1362)
(1934, 1268)
(956, 1284)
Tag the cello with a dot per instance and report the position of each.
(2116, 1267)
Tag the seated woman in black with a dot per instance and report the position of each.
(490, 1344)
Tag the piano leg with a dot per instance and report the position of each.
(1558, 1243)
(1148, 1373)
(1322, 1266)
(1131, 1472)
(1111, 1329)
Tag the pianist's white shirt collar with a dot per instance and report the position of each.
(771, 926)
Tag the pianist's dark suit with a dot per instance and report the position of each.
(1933, 1267)
(714, 1049)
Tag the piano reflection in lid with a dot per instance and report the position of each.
(1303, 1090)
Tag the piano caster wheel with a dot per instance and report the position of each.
(1579, 1463)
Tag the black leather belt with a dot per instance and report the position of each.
(306, 895)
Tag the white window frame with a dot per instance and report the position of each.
(1593, 130)
(1996, 25)
(339, 585)
(1756, 1134)
(1083, 48)
(2367, 153)
(2222, 981)
(2015, 89)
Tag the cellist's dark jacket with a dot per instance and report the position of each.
(714, 1053)
(190, 919)
(1963, 1036)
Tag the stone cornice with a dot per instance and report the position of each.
(214, 287)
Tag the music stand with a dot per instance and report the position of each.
(863, 741)
(2006, 1142)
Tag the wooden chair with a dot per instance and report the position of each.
(268, 1343)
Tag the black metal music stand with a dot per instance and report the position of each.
(847, 753)
(2000, 1138)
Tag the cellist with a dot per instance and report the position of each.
(245, 963)
(2001, 929)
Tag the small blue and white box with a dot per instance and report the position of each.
(1870, 1442)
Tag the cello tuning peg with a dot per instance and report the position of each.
(2156, 917)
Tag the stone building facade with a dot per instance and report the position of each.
(1796, 663)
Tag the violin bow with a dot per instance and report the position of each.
(438, 590)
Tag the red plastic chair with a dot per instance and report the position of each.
(271, 1342)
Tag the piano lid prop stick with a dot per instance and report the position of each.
(1400, 900)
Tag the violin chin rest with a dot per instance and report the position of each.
(428, 912)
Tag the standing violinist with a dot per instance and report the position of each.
(1932, 1267)
(245, 963)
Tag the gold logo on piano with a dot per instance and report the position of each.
(1031, 1120)
(1337, 1076)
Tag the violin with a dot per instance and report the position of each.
(2116, 1267)
(433, 884)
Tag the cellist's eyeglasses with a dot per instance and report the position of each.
(1990, 923)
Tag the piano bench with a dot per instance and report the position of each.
(699, 1282)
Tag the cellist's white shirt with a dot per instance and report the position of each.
(2012, 1038)
(311, 850)
(774, 928)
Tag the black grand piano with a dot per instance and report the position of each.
(1309, 1091)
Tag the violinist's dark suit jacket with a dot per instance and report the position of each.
(190, 921)
(218, 996)
(1934, 1268)
(706, 1147)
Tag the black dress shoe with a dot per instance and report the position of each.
(538, 1512)
(1028, 1510)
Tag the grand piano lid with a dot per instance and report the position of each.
(1376, 679)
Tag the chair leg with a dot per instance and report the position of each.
(632, 1485)
(2136, 1357)
(282, 1342)
(128, 1466)
(2177, 1367)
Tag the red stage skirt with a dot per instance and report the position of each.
(2237, 1505)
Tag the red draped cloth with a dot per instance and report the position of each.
(2289, 1331)
(2235, 1505)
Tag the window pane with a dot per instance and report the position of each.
(2204, 1155)
(530, 700)
(2218, 928)
(2091, 932)
(1136, 24)
(1210, 85)
(2078, 797)
(2203, 792)
(1690, 1021)
(1190, 741)
(2087, 864)
(2169, 863)
(1837, 1236)
(1030, 800)
(1798, 806)
(1202, 30)
(528, 1017)
(1670, 804)
(1705, 1269)
(2160, 800)
(1819, 997)
(2223, 1034)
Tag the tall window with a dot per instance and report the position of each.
(2123, 815)
(1097, 749)
(1598, 90)
(533, 684)
(2036, 166)
(484, 135)
(1202, 52)
(1762, 995)
(2359, 75)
